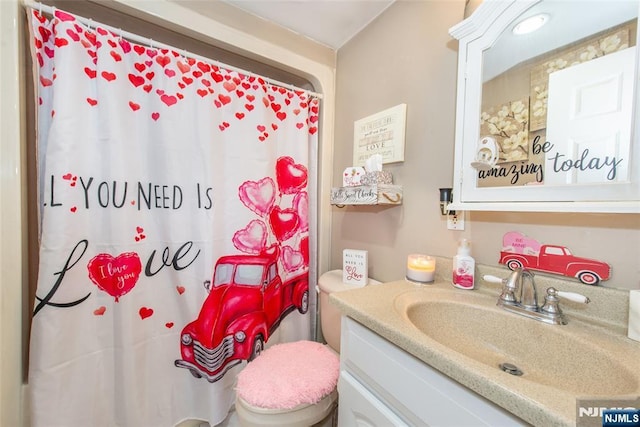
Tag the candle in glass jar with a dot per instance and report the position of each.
(421, 268)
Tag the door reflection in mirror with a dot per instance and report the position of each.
(568, 87)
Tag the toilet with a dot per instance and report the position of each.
(295, 384)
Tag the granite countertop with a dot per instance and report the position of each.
(537, 402)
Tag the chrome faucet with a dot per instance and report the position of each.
(519, 295)
(519, 291)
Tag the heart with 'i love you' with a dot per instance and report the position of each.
(115, 275)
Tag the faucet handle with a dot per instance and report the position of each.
(551, 306)
(494, 279)
(508, 288)
(551, 300)
(573, 296)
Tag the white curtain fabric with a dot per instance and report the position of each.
(153, 166)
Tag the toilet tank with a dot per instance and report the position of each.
(329, 282)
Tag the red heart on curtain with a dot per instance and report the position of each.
(45, 82)
(45, 33)
(125, 45)
(252, 239)
(73, 35)
(304, 249)
(183, 67)
(91, 37)
(301, 205)
(204, 67)
(284, 222)
(163, 61)
(291, 259)
(258, 196)
(115, 275)
(64, 16)
(145, 312)
(136, 80)
(108, 76)
(168, 99)
(291, 177)
(272, 251)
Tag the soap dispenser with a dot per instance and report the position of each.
(463, 267)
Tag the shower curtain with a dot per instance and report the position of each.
(174, 233)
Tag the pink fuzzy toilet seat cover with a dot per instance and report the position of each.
(288, 375)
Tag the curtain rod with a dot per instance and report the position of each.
(154, 44)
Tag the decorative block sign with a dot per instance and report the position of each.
(367, 195)
(360, 195)
(520, 251)
(381, 133)
(352, 176)
(355, 269)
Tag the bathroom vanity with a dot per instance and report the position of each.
(381, 384)
(432, 355)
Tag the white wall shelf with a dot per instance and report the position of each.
(377, 194)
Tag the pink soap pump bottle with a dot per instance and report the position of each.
(463, 266)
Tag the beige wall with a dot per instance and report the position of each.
(407, 56)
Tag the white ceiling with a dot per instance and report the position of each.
(329, 22)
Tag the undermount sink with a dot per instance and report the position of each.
(551, 355)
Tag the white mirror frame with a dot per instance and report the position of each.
(476, 34)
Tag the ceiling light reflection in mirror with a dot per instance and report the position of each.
(568, 22)
(529, 25)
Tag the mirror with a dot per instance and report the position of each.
(557, 102)
(549, 115)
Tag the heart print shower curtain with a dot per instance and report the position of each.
(153, 168)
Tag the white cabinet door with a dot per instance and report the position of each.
(380, 381)
(359, 408)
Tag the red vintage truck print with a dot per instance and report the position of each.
(247, 301)
(520, 251)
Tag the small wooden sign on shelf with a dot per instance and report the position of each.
(377, 194)
(355, 268)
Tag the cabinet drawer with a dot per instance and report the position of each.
(419, 394)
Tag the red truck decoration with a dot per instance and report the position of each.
(519, 251)
(247, 301)
(251, 293)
